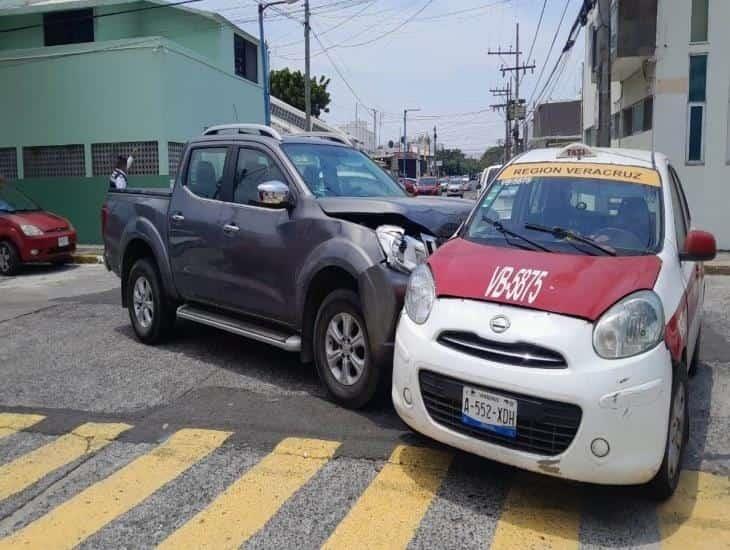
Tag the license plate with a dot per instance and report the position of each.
(62, 241)
(489, 411)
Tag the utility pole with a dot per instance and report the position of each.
(307, 81)
(516, 107)
(375, 129)
(405, 140)
(435, 166)
(506, 93)
(604, 74)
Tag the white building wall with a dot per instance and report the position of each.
(706, 184)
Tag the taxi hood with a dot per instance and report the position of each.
(568, 284)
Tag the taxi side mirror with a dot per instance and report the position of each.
(699, 246)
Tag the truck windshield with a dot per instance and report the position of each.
(13, 200)
(578, 215)
(333, 171)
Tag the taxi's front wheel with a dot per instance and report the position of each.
(665, 482)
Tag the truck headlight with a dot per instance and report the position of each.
(420, 295)
(30, 230)
(632, 326)
(402, 252)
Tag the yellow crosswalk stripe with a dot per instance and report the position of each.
(697, 514)
(11, 423)
(388, 513)
(83, 515)
(31, 467)
(539, 513)
(245, 507)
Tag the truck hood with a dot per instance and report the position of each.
(436, 216)
(45, 221)
(568, 284)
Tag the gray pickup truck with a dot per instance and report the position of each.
(299, 242)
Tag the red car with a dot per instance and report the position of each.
(410, 185)
(29, 234)
(428, 186)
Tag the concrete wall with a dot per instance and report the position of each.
(707, 185)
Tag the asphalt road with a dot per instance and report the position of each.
(214, 440)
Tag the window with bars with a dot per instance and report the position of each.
(54, 161)
(8, 163)
(145, 153)
(245, 58)
(174, 156)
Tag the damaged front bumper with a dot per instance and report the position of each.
(624, 404)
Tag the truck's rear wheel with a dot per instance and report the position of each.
(342, 350)
(151, 315)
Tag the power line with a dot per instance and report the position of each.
(537, 30)
(550, 51)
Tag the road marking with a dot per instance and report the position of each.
(11, 423)
(389, 511)
(26, 470)
(697, 514)
(83, 515)
(539, 513)
(245, 507)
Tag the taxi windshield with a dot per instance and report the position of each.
(572, 214)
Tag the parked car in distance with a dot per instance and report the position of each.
(455, 187)
(410, 185)
(428, 186)
(443, 184)
(559, 336)
(29, 234)
(301, 243)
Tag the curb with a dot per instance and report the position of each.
(87, 259)
(717, 269)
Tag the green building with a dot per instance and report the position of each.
(84, 81)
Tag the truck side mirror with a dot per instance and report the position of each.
(274, 194)
(699, 246)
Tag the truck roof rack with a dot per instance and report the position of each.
(330, 136)
(253, 129)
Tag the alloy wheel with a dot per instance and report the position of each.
(345, 349)
(144, 305)
(676, 431)
(4, 258)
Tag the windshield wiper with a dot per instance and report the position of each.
(504, 231)
(567, 234)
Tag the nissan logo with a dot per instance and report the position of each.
(499, 324)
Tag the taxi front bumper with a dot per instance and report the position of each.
(623, 402)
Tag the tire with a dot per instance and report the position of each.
(152, 316)
(665, 481)
(62, 262)
(345, 383)
(9, 259)
(695, 363)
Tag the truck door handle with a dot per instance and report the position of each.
(177, 217)
(231, 228)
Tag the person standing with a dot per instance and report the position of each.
(118, 179)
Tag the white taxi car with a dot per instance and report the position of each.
(556, 330)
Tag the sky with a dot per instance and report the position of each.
(426, 54)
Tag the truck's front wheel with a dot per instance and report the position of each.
(151, 315)
(342, 350)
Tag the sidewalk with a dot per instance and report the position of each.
(720, 265)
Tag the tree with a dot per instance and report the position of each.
(289, 87)
(493, 155)
(455, 162)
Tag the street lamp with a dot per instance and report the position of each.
(405, 140)
(265, 56)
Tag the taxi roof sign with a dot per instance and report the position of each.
(576, 151)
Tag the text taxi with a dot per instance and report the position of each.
(556, 331)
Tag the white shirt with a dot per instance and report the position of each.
(118, 179)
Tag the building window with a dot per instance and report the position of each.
(616, 126)
(146, 157)
(245, 56)
(8, 163)
(648, 113)
(628, 119)
(68, 27)
(594, 49)
(54, 161)
(174, 156)
(696, 107)
(699, 20)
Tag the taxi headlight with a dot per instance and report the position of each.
(30, 230)
(420, 295)
(402, 252)
(632, 326)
